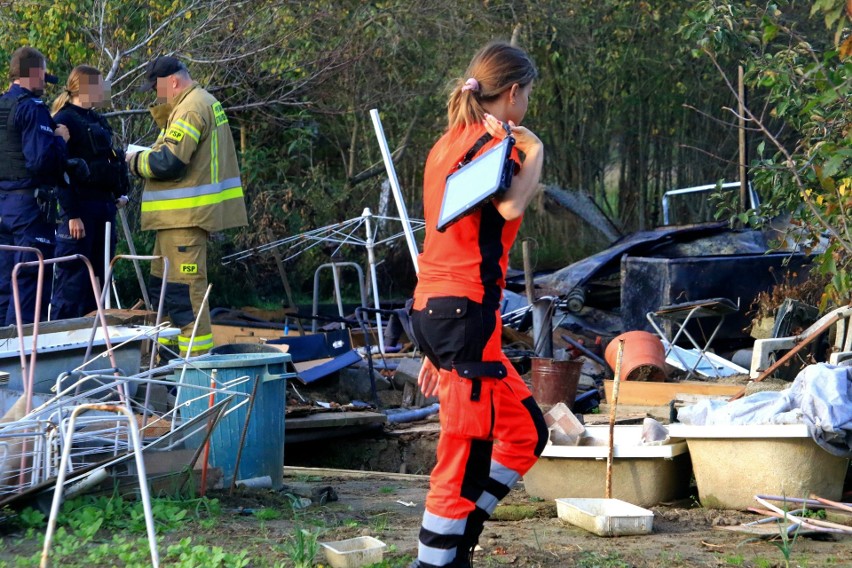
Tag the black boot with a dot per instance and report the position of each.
(463, 560)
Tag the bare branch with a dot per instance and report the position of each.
(790, 162)
(716, 120)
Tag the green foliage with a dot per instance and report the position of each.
(83, 521)
(31, 518)
(267, 514)
(598, 560)
(615, 105)
(186, 555)
(804, 153)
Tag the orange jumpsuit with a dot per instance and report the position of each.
(492, 430)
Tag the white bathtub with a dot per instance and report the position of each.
(732, 464)
(642, 475)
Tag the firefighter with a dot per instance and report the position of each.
(90, 201)
(492, 430)
(32, 162)
(192, 188)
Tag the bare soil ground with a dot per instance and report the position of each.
(683, 535)
(389, 507)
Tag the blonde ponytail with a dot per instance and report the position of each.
(495, 68)
(72, 86)
(60, 101)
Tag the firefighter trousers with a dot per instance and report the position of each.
(492, 430)
(186, 250)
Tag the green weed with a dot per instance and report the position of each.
(186, 555)
(79, 538)
(267, 514)
(597, 560)
(31, 518)
(305, 478)
(379, 523)
(785, 543)
(302, 548)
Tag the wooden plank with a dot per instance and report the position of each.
(603, 419)
(335, 420)
(296, 471)
(652, 393)
(225, 334)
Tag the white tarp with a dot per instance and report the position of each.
(821, 397)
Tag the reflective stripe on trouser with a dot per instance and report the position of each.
(186, 250)
(486, 444)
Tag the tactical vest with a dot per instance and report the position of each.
(91, 140)
(13, 165)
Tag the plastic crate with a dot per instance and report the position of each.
(606, 517)
(354, 552)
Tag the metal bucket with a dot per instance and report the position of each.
(555, 381)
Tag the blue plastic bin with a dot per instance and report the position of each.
(263, 451)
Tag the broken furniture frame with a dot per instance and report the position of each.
(343, 233)
(335, 273)
(764, 349)
(680, 315)
(140, 468)
(752, 194)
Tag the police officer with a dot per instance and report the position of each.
(32, 163)
(91, 200)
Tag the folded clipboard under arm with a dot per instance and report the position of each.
(477, 181)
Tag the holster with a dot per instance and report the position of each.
(47, 203)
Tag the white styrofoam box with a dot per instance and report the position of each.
(354, 552)
(606, 517)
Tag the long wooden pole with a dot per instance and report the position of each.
(528, 273)
(613, 404)
(744, 202)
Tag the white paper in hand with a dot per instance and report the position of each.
(134, 148)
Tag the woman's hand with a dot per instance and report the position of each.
(427, 379)
(512, 204)
(525, 139)
(76, 228)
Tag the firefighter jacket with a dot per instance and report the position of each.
(192, 178)
(31, 155)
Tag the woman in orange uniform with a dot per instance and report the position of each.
(492, 430)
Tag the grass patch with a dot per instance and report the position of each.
(598, 560)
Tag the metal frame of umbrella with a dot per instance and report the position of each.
(344, 233)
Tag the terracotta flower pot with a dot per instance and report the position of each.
(644, 356)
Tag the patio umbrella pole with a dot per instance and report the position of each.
(394, 183)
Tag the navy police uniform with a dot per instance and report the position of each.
(90, 197)
(31, 157)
